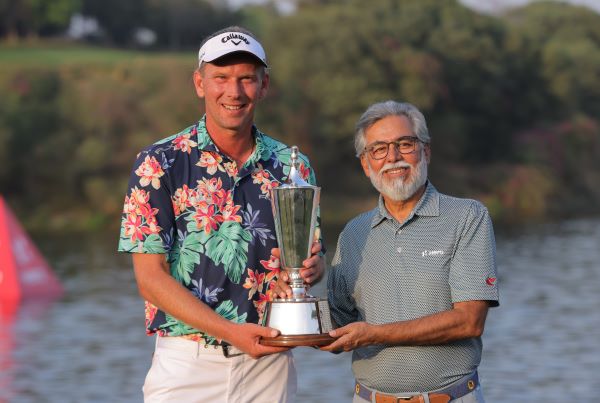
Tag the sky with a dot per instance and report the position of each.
(499, 5)
(480, 5)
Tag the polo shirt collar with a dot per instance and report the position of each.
(428, 205)
(261, 151)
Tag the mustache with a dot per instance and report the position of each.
(393, 165)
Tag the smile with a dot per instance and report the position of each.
(395, 171)
(233, 107)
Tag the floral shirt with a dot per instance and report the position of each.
(212, 219)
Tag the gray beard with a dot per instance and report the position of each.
(399, 189)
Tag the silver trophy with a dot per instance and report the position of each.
(303, 320)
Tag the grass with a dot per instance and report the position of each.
(51, 54)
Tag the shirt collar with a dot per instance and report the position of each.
(261, 151)
(428, 205)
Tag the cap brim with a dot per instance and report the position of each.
(213, 56)
(231, 42)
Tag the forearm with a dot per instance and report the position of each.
(464, 320)
(171, 297)
(156, 286)
(439, 328)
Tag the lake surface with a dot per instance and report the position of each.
(540, 345)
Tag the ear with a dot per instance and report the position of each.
(427, 151)
(199, 83)
(264, 86)
(365, 164)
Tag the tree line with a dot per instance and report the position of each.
(512, 103)
(176, 24)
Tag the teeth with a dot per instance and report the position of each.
(232, 107)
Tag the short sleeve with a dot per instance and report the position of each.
(147, 221)
(473, 270)
(341, 303)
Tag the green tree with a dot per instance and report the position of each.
(117, 18)
(331, 61)
(563, 43)
(182, 24)
(22, 18)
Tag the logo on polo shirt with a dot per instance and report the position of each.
(432, 253)
(235, 38)
(491, 281)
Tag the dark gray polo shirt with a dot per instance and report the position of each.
(384, 271)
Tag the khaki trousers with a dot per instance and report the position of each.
(188, 371)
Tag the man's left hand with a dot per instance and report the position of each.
(313, 270)
(351, 336)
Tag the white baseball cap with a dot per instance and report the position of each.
(230, 42)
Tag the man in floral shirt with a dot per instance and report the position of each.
(197, 219)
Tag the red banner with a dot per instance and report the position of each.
(24, 273)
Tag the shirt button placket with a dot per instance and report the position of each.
(398, 243)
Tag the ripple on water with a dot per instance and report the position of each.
(90, 346)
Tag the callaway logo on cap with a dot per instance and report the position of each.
(229, 42)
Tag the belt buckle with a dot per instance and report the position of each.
(226, 352)
(393, 398)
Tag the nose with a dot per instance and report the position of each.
(234, 89)
(393, 154)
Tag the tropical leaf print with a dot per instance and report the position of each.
(187, 257)
(252, 224)
(154, 244)
(230, 312)
(125, 242)
(229, 246)
(177, 328)
(215, 226)
(208, 295)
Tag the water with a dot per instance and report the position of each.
(541, 344)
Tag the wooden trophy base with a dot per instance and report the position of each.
(297, 340)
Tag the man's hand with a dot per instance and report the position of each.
(465, 320)
(246, 337)
(313, 270)
(351, 336)
(158, 287)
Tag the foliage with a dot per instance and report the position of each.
(564, 43)
(70, 133)
(182, 24)
(176, 23)
(512, 104)
(21, 18)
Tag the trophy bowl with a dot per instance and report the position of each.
(302, 320)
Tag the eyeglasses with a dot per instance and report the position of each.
(379, 150)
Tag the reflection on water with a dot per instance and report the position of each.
(540, 345)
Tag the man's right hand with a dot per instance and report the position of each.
(158, 287)
(246, 337)
(313, 270)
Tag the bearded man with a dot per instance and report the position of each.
(412, 280)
